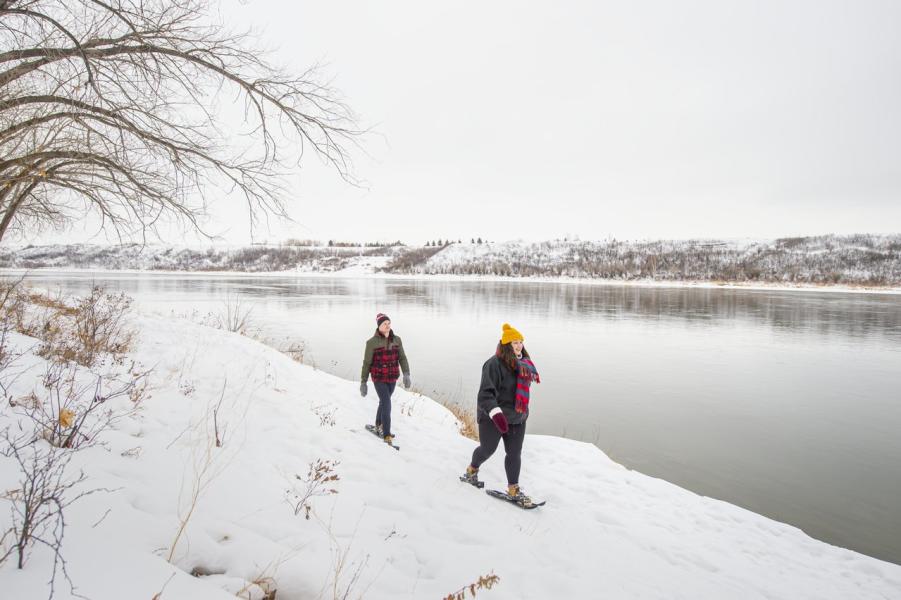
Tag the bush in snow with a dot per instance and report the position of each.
(71, 410)
(67, 410)
(485, 582)
(235, 315)
(320, 477)
(38, 503)
(80, 331)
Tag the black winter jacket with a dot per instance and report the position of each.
(498, 389)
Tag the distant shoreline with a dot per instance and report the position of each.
(356, 273)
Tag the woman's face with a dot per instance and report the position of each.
(517, 347)
(385, 327)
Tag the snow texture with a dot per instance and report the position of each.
(401, 522)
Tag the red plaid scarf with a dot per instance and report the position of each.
(526, 373)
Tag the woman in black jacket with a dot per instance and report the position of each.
(503, 408)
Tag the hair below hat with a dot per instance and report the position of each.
(510, 334)
(381, 318)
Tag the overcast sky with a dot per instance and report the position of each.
(648, 119)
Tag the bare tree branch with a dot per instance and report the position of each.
(113, 102)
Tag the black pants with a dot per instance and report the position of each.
(489, 437)
(383, 414)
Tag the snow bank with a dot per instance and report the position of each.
(401, 525)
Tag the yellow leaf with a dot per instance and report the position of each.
(66, 417)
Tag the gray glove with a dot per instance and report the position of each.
(363, 389)
(407, 382)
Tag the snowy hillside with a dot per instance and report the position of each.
(151, 257)
(398, 524)
(859, 260)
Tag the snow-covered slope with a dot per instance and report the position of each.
(401, 525)
(857, 260)
(853, 260)
(155, 257)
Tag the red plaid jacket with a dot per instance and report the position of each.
(384, 359)
(384, 364)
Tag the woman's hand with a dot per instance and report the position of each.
(500, 421)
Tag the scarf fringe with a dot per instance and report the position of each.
(526, 373)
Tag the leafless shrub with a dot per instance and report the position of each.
(8, 360)
(65, 413)
(485, 582)
(39, 502)
(326, 415)
(320, 477)
(296, 351)
(186, 387)
(16, 298)
(95, 326)
(235, 315)
(71, 414)
(9, 292)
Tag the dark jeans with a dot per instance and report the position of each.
(489, 437)
(383, 414)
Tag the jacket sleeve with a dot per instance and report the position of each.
(402, 357)
(487, 398)
(367, 361)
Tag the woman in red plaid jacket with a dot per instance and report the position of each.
(383, 360)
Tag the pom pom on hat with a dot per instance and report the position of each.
(381, 318)
(510, 334)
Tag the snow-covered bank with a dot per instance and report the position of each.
(401, 522)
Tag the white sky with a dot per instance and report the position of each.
(647, 119)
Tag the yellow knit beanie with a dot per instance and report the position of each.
(510, 334)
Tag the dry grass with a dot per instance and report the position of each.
(466, 420)
(485, 582)
(263, 584)
(76, 330)
(96, 326)
(235, 315)
(56, 303)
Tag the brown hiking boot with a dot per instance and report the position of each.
(515, 493)
(471, 476)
